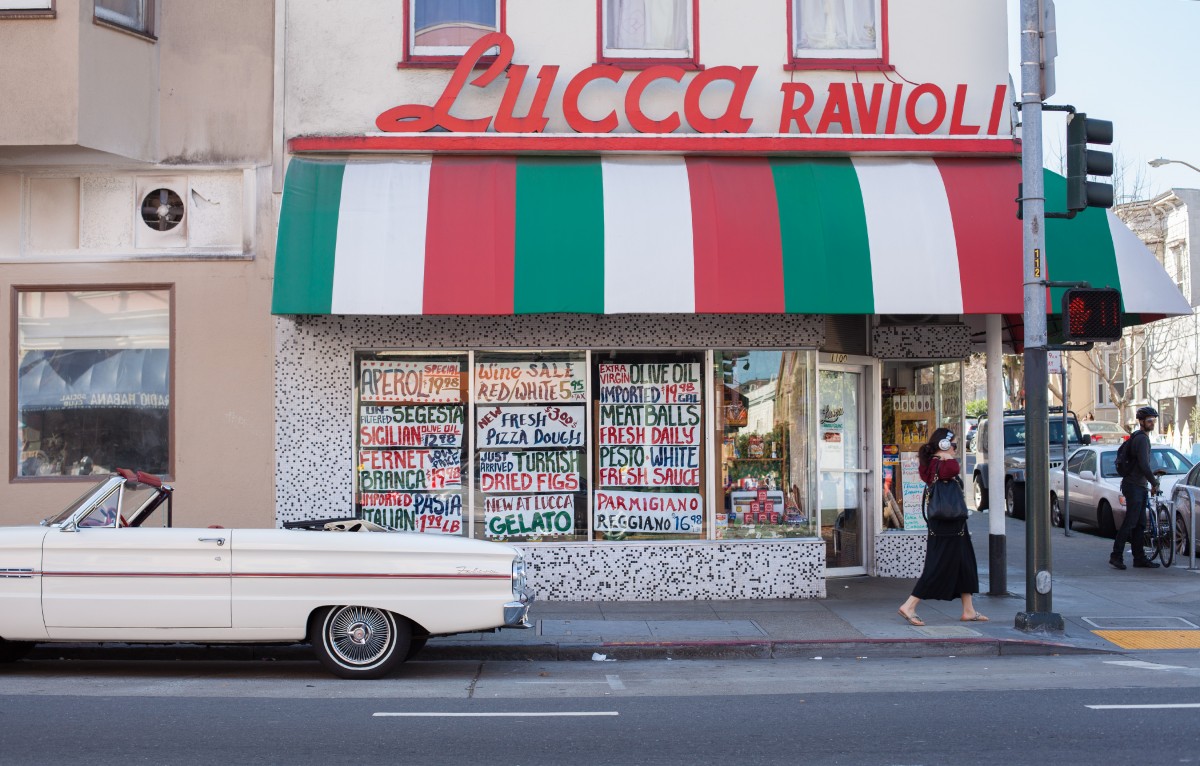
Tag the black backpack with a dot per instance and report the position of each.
(1124, 458)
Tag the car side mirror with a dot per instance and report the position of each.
(1087, 475)
(1087, 438)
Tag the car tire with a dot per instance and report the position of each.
(415, 645)
(11, 651)
(1014, 499)
(360, 642)
(1183, 541)
(981, 495)
(1104, 517)
(1056, 514)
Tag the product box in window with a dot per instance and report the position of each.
(774, 517)
(763, 518)
(762, 494)
(755, 506)
(768, 505)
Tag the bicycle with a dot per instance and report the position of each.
(1158, 541)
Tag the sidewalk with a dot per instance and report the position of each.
(857, 619)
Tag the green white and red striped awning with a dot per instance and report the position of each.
(623, 234)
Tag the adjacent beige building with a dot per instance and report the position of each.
(136, 240)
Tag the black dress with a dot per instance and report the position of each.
(950, 568)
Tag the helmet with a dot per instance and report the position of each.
(1146, 412)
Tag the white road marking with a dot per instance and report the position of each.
(615, 683)
(495, 715)
(1143, 665)
(1180, 705)
(564, 681)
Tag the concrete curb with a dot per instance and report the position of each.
(583, 651)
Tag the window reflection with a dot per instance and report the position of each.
(762, 431)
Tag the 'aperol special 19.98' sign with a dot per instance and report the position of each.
(844, 108)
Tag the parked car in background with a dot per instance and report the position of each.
(1095, 486)
(972, 430)
(112, 568)
(1014, 456)
(1104, 431)
(1185, 496)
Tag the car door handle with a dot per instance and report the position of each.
(217, 540)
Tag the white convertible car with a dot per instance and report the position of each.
(112, 568)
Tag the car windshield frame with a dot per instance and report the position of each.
(87, 498)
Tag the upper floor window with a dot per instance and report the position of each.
(830, 33)
(26, 5)
(446, 28)
(647, 29)
(134, 15)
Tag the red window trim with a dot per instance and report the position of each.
(409, 60)
(690, 63)
(798, 63)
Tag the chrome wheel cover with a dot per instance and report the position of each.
(359, 636)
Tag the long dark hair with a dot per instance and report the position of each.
(930, 448)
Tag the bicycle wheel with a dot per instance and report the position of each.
(1150, 541)
(1166, 537)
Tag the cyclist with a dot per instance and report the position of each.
(1133, 487)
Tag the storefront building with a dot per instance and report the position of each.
(667, 292)
(135, 238)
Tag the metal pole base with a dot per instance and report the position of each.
(1040, 621)
(997, 565)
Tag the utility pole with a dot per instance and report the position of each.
(1038, 614)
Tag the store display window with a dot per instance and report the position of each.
(763, 430)
(530, 446)
(409, 440)
(917, 399)
(649, 455)
(544, 446)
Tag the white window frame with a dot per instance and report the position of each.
(441, 50)
(864, 54)
(648, 53)
(1102, 397)
(26, 5)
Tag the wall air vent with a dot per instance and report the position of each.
(162, 212)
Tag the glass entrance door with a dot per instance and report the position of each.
(843, 468)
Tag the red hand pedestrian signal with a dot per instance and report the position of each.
(1092, 315)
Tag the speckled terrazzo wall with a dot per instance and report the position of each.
(314, 438)
(900, 554)
(684, 572)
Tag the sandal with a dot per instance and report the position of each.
(913, 620)
(977, 618)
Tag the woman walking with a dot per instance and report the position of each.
(950, 570)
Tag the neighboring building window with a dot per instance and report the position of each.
(135, 15)
(647, 29)
(844, 30)
(446, 28)
(26, 5)
(93, 382)
(1114, 372)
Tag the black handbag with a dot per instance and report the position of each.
(943, 500)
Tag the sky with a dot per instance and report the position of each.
(1136, 63)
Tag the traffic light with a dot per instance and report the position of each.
(1083, 162)
(1092, 314)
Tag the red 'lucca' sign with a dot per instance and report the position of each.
(797, 109)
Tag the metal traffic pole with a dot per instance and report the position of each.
(1066, 498)
(1038, 614)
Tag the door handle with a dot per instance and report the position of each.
(217, 540)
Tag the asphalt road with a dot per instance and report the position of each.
(929, 711)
